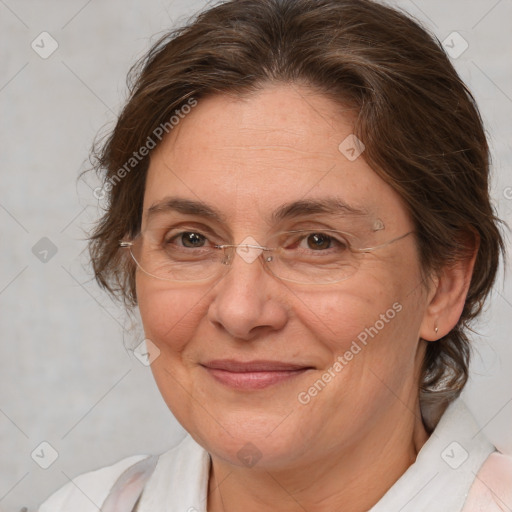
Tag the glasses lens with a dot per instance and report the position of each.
(313, 257)
(302, 256)
(185, 260)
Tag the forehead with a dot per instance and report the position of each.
(249, 156)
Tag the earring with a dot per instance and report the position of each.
(436, 329)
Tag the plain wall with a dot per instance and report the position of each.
(66, 376)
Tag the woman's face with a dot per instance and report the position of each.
(329, 362)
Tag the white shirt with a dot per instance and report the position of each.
(456, 459)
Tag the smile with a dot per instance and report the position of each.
(253, 375)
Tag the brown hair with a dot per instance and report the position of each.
(420, 125)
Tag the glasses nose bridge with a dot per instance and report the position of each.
(249, 252)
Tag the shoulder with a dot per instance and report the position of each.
(492, 488)
(88, 491)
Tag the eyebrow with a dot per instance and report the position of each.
(185, 206)
(329, 205)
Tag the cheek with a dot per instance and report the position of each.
(339, 316)
(169, 316)
(371, 316)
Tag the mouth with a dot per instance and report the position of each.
(253, 375)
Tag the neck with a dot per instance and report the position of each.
(352, 479)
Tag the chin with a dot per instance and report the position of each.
(246, 438)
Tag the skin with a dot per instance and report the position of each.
(345, 448)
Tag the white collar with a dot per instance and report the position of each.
(445, 468)
(179, 481)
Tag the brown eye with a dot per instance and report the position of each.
(188, 239)
(319, 241)
(191, 239)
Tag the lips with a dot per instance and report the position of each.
(231, 365)
(252, 375)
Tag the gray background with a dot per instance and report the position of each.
(66, 375)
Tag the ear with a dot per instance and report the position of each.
(448, 294)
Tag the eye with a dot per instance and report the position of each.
(318, 241)
(189, 239)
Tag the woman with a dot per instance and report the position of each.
(299, 207)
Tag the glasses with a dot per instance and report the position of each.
(300, 256)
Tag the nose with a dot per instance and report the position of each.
(247, 301)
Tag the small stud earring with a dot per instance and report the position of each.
(436, 329)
